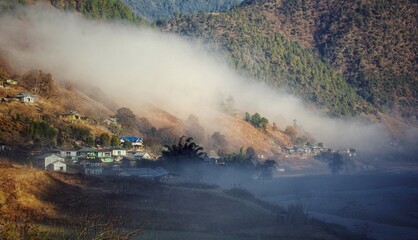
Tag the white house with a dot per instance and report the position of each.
(118, 152)
(26, 97)
(57, 163)
(57, 166)
(142, 155)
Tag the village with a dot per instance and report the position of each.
(110, 161)
(132, 159)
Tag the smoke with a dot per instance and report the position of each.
(133, 65)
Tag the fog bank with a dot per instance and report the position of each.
(133, 65)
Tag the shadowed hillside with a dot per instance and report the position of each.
(64, 203)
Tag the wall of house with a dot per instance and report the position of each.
(51, 159)
(58, 166)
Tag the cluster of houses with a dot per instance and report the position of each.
(21, 97)
(113, 161)
(307, 151)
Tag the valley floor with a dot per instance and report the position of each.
(382, 204)
(60, 202)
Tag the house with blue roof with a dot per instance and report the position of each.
(136, 141)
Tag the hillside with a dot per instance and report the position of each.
(45, 123)
(165, 9)
(66, 206)
(335, 55)
(257, 50)
(373, 43)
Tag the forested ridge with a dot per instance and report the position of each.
(373, 43)
(336, 54)
(346, 57)
(256, 49)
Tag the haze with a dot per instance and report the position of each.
(132, 65)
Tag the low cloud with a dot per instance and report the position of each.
(134, 65)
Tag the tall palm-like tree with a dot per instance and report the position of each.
(186, 151)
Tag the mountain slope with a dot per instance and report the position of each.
(254, 46)
(331, 53)
(373, 43)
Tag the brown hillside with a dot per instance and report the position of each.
(26, 192)
(237, 132)
(242, 134)
(53, 100)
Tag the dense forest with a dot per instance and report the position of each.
(257, 50)
(337, 55)
(165, 9)
(346, 57)
(373, 43)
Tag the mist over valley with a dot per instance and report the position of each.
(200, 126)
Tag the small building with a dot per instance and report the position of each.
(10, 82)
(142, 155)
(136, 141)
(57, 166)
(105, 155)
(67, 154)
(51, 159)
(72, 115)
(92, 166)
(26, 97)
(118, 152)
(110, 121)
(87, 153)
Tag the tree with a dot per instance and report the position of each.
(247, 117)
(336, 164)
(250, 153)
(334, 161)
(186, 151)
(219, 141)
(263, 123)
(229, 106)
(257, 120)
(275, 128)
(127, 145)
(126, 118)
(291, 132)
(114, 141)
(104, 139)
(39, 83)
(239, 160)
(266, 169)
